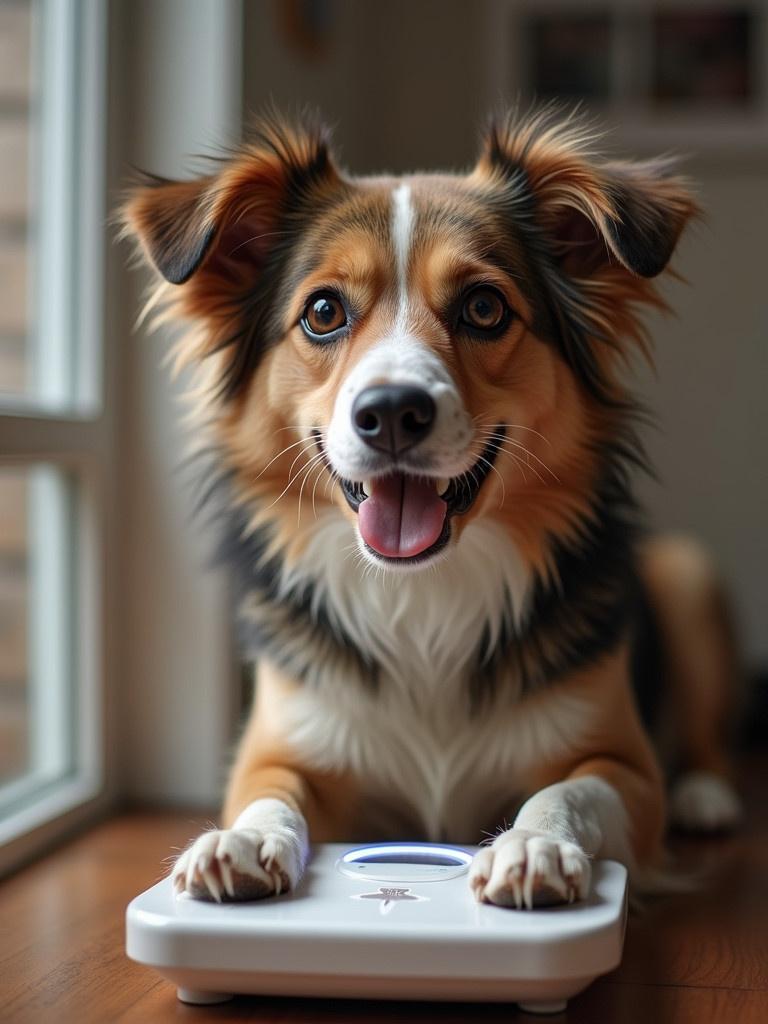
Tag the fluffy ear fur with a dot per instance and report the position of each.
(593, 213)
(174, 221)
(225, 240)
(222, 223)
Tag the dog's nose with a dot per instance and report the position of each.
(393, 417)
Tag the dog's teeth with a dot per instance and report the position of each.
(366, 485)
(442, 485)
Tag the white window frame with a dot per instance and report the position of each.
(157, 677)
(65, 421)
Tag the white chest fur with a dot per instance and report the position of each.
(413, 743)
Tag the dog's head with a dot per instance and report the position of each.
(416, 352)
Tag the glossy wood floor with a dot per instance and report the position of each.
(695, 959)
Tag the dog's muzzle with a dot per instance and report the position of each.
(404, 517)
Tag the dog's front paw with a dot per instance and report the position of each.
(530, 869)
(264, 854)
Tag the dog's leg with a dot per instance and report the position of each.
(610, 804)
(702, 678)
(273, 804)
(545, 857)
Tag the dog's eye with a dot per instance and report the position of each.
(484, 311)
(323, 317)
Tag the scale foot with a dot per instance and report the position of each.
(544, 1007)
(198, 998)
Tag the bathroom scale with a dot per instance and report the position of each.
(391, 921)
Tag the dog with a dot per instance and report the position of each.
(413, 386)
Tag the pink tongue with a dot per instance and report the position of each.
(402, 516)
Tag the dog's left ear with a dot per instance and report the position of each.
(592, 213)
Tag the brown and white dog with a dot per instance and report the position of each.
(413, 386)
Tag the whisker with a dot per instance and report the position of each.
(520, 426)
(526, 465)
(530, 455)
(314, 489)
(333, 477)
(503, 441)
(303, 440)
(490, 465)
(302, 452)
(511, 426)
(516, 459)
(291, 481)
(306, 471)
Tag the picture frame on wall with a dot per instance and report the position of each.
(677, 74)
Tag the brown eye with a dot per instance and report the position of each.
(484, 311)
(324, 316)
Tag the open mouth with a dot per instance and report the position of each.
(404, 517)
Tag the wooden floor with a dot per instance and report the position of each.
(700, 958)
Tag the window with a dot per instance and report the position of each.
(55, 426)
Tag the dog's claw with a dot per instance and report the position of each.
(225, 870)
(213, 886)
(478, 884)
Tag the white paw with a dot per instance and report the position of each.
(704, 802)
(264, 854)
(530, 869)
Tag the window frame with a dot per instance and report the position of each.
(68, 424)
(158, 670)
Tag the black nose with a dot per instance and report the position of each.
(393, 417)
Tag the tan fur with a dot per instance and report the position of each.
(266, 766)
(547, 470)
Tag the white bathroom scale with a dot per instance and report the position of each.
(394, 921)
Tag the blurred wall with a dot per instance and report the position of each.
(403, 82)
(407, 83)
(709, 389)
(176, 75)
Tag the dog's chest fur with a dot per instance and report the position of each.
(426, 762)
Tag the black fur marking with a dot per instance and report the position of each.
(585, 611)
(177, 263)
(648, 666)
(573, 619)
(581, 614)
(259, 310)
(291, 631)
(180, 240)
(558, 302)
(644, 237)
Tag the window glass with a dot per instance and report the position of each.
(37, 710)
(16, 115)
(54, 470)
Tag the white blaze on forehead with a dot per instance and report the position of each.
(402, 230)
(401, 357)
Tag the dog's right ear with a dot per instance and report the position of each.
(175, 224)
(223, 224)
